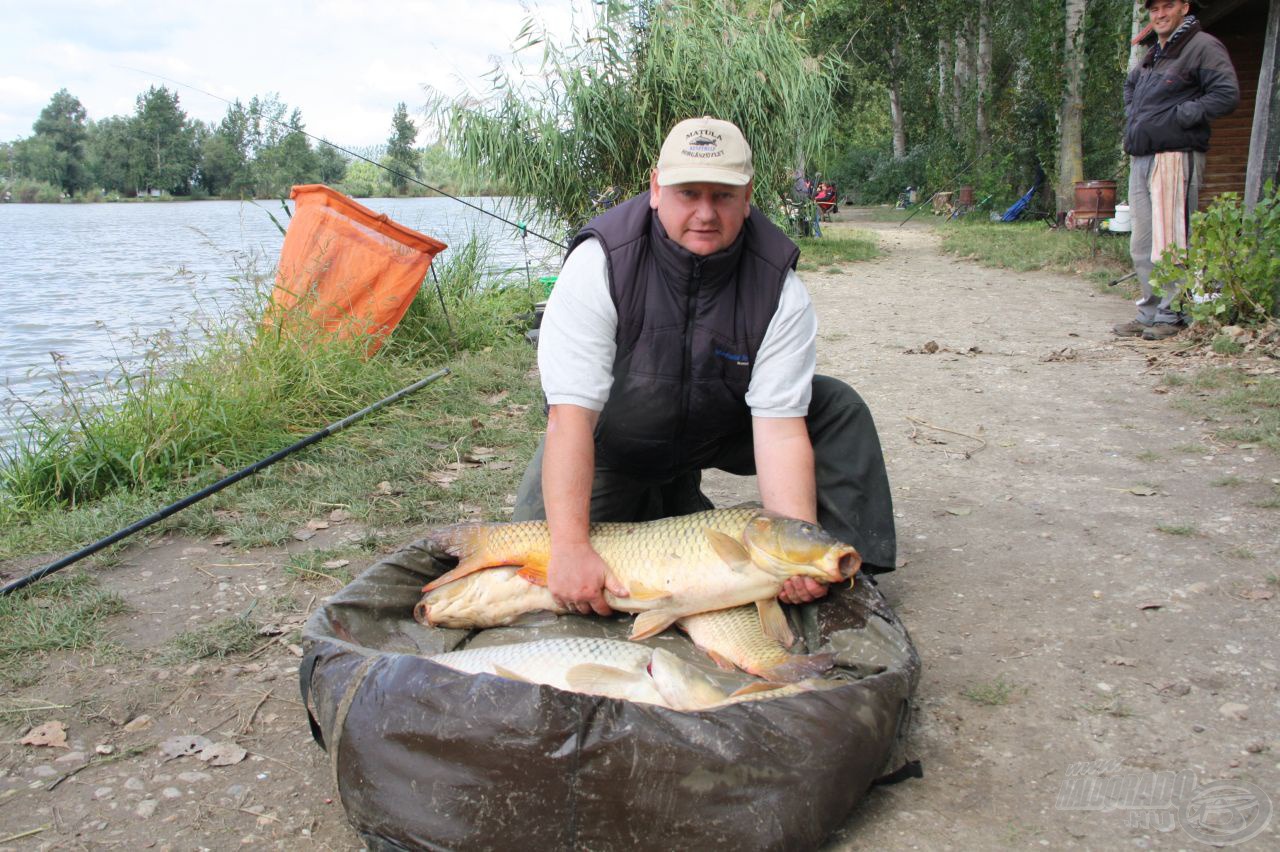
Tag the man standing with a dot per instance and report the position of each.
(679, 338)
(1185, 81)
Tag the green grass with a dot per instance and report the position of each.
(1244, 408)
(1178, 529)
(174, 432)
(234, 635)
(1227, 482)
(991, 693)
(1033, 245)
(1226, 345)
(1241, 552)
(242, 395)
(1148, 456)
(836, 247)
(61, 613)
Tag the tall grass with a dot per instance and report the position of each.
(1024, 246)
(242, 391)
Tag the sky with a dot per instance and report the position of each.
(344, 64)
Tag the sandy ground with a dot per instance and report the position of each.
(1070, 646)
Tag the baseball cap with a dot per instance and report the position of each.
(705, 150)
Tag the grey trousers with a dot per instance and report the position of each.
(1153, 308)
(854, 503)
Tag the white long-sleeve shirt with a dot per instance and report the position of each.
(576, 343)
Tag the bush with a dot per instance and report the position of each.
(29, 191)
(1232, 262)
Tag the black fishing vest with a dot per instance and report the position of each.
(689, 328)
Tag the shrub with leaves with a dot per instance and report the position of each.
(1232, 264)
(596, 114)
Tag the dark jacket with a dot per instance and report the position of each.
(1175, 92)
(689, 328)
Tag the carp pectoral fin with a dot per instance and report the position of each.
(773, 621)
(753, 688)
(729, 549)
(536, 574)
(652, 623)
(799, 668)
(641, 592)
(464, 569)
(503, 671)
(721, 660)
(599, 679)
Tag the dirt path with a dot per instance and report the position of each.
(1029, 567)
(1033, 459)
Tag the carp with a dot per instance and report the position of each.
(732, 637)
(622, 670)
(672, 568)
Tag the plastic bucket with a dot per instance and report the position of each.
(1121, 221)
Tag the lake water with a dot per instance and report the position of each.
(90, 284)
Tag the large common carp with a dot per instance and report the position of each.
(623, 670)
(732, 637)
(673, 567)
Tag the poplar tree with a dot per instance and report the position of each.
(401, 157)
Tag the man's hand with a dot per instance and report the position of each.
(801, 590)
(578, 578)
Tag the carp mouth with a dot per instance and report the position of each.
(847, 564)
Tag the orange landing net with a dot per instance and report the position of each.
(345, 269)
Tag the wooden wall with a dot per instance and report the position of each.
(1241, 31)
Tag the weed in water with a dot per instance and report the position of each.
(1227, 482)
(1178, 529)
(992, 693)
(233, 635)
(1225, 344)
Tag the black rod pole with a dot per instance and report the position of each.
(173, 508)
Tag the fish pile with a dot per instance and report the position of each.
(622, 670)
(715, 574)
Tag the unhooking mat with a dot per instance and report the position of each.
(426, 757)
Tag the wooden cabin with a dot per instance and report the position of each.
(1244, 149)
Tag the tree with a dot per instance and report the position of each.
(166, 143)
(1071, 114)
(225, 165)
(111, 151)
(401, 157)
(597, 115)
(331, 164)
(61, 126)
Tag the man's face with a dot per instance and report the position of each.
(702, 217)
(1166, 16)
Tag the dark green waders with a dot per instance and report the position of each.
(854, 503)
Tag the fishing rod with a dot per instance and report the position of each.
(350, 153)
(331, 429)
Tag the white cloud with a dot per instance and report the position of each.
(345, 64)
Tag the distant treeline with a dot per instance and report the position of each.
(257, 150)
